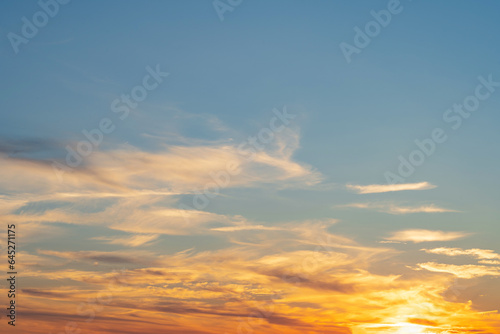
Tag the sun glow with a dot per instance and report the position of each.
(406, 328)
(402, 328)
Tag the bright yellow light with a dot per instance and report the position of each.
(405, 328)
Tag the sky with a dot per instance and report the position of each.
(250, 166)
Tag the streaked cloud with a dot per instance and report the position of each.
(117, 257)
(383, 188)
(291, 280)
(396, 209)
(130, 241)
(147, 214)
(180, 169)
(421, 235)
(304, 274)
(495, 262)
(484, 254)
(461, 271)
(246, 228)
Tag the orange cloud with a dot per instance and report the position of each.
(296, 280)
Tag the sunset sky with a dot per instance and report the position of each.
(228, 166)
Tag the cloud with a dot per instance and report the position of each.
(28, 145)
(39, 231)
(394, 209)
(306, 227)
(246, 228)
(140, 189)
(180, 169)
(50, 294)
(477, 253)
(131, 241)
(294, 277)
(382, 188)
(420, 235)
(146, 214)
(461, 271)
(37, 262)
(117, 257)
(490, 262)
(289, 280)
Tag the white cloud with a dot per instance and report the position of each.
(170, 169)
(486, 254)
(420, 235)
(461, 271)
(246, 228)
(395, 209)
(382, 188)
(131, 241)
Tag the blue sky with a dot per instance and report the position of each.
(354, 119)
(358, 117)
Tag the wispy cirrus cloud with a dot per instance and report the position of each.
(130, 241)
(178, 168)
(395, 209)
(421, 235)
(118, 257)
(130, 215)
(461, 271)
(383, 188)
(483, 254)
(246, 228)
(489, 262)
(306, 227)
